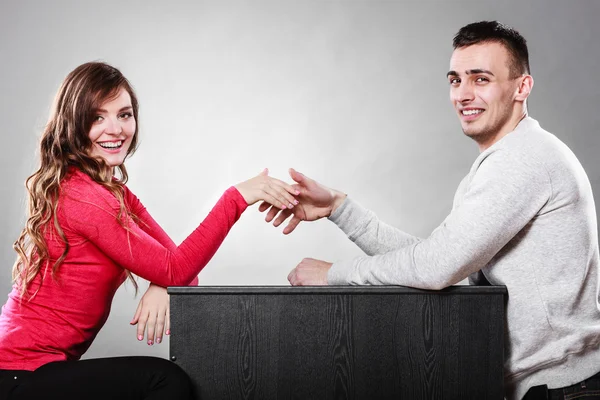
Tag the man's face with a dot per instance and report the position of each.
(482, 90)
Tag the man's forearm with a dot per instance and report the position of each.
(367, 231)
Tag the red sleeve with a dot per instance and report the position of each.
(90, 210)
(149, 225)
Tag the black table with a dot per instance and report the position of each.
(384, 342)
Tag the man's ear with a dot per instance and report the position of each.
(524, 88)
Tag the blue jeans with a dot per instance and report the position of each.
(588, 389)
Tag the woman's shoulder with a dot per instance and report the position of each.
(79, 187)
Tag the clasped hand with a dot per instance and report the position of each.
(316, 201)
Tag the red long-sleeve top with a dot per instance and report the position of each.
(65, 315)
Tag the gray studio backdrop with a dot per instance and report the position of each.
(352, 93)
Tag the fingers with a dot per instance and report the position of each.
(168, 322)
(263, 206)
(291, 189)
(279, 189)
(136, 316)
(283, 215)
(296, 176)
(160, 326)
(152, 314)
(294, 222)
(273, 199)
(141, 328)
(270, 192)
(282, 192)
(151, 326)
(292, 277)
(310, 272)
(271, 214)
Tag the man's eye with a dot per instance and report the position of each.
(454, 81)
(482, 79)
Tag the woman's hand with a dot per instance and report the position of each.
(316, 201)
(273, 191)
(153, 313)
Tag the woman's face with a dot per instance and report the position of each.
(113, 129)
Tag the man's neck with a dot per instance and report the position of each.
(510, 126)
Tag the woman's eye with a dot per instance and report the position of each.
(98, 118)
(126, 115)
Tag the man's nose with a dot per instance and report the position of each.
(464, 93)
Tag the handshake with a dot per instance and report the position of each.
(312, 201)
(305, 200)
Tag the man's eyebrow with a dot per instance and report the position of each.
(471, 72)
(479, 71)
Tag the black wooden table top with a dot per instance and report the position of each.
(377, 290)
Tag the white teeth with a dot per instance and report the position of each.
(471, 112)
(111, 145)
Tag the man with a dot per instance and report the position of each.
(523, 217)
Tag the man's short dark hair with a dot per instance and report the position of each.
(494, 31)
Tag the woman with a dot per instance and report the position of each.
(86, 233)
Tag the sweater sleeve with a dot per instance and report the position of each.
(149, 224)
(367, 231)
(91, 212)
(505, 194)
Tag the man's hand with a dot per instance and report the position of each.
(316, 202)
(152, 313)
(310, 272)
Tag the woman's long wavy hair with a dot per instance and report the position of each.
(65, 143)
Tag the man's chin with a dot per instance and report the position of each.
(473, 129)
(470, 132)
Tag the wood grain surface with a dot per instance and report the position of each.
(340, 344)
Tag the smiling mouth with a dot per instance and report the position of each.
(111, 145)
(471, 112)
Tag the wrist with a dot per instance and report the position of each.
(338, 199)
(240, 188)
(155, 286)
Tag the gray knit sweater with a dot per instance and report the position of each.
(523, 217)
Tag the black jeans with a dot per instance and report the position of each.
(588, 389)
(120, 378)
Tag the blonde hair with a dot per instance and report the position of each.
(65, 143)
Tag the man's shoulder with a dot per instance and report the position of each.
(534, 152)
(530, 144)
(530, 138)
